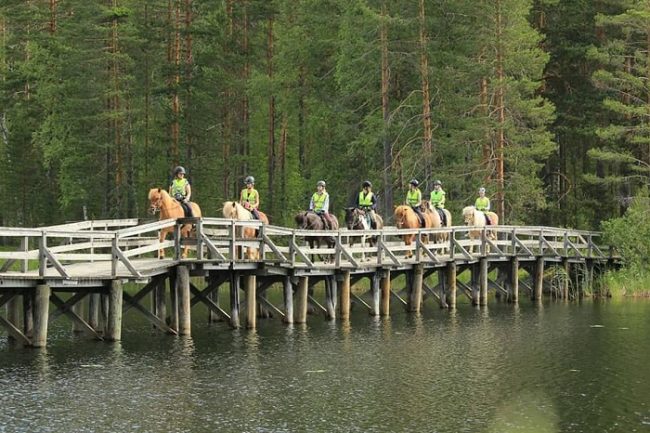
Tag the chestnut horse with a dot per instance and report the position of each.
(406, 218)
(234, 210)
(476, 218)
(161, 201)
(440, 237)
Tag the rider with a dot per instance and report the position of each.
(438, 200)
(249, 197)
(367, 202)
(482, 203)
(414, 199)
(181, 190)
(320, 203)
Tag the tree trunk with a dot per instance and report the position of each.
(501, 113)
(271, 149)
(189, 60)
(53, 5)
(388, 152)
(426, 108)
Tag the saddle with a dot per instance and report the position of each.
(187, 207)
(443, 217)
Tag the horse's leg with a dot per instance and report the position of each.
(161, 251)
(407, 241)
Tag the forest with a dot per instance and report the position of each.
(545, 103)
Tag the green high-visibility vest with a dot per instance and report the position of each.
(413, 198)
(438, 199)
(365, 200)
(250, 196)
(319, 201)
(178, 186)
(482, 204)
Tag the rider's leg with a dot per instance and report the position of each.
(256, 214)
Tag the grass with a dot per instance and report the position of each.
(626, 282)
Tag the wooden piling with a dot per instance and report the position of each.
(41, 314)
(476, 286)
(184, 301)
(288, 300)
(94, 300)
(345, 296)
(567, 278)
(13, 314)
(538, 279)
(160, 304)
(330, 296)
(28, 314)
(173, 300)
(376, 294)
(250, 287)
(78, 309)
(483, 281)
(303, 289)
(415, 291)
(234, 300)
(451, 284)
(385, 293)
(514, 280)
(114, 328)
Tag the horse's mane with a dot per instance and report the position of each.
(160, 191)
(232, 209)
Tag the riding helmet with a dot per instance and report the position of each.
(414, 182)
(481, 189)
(179, 169)
(437, 182)
(321, 183)
(249, 179)
(366, 183)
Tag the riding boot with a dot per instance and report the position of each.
(256, 214)
(188, 209)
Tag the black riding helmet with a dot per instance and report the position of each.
(414, 182)
(366, 184)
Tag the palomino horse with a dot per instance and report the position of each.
(406, 218)
(355, 219)
(476, 218)
(234, 210)
(440, 237)
(161, 201)
(312, 221)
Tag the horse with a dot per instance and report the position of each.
(355, 219)
(443, 236)
(312, 221)
(476, 218)
(406, 218)
(161, 201)
(234, 210)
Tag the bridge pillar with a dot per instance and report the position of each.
(385, 293)
(41, 314)
(302, 298)
(567, 279)
(476, 289)
(514, 281)
(345, 296)
(288, 300)
(376, 293)
(94, 300)
(173, 300)
(483, 281)
(13, 314)
(415, 291)
(28, 314)
(251, 301)
(160, 304)
(234, 300)
(114, 328)
(451, 284)
(330, 296)
(538, 279)
(78, 309)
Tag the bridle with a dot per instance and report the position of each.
(156, 205)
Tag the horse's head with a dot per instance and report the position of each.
(468, 215)
(155, 200)
(350, 217)
(301, 220)
(399, 215)
(425, 205)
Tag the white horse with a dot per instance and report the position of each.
(477, 218)
(234, 210)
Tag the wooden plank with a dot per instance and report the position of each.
(274, 248)
(67, 305)
(384, 248)
(57, 265)
(262, 300)
(142, 293)
(58, 302)
(126, 262)
(296, 249)
(15, 332)
(316, 304)
(115, 297)
(200, 296)
(361, 301)
(212, 248)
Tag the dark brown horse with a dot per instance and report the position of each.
(312, 221)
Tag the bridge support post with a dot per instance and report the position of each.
(451, 284)
(184, 303)
(415, 298)
(173, 300)
(160, 306)
(475, 283)
(288, 300)
(114, 328)
(376, 293)
(41, 314)
(483, 281)
(28, 314)
(13, 314)
(385, 293)
(93, 310)
(234, 300)
(538, 279)
(345, 296)
(251, 301)
(303, 291)
(567, 278)
(78, 309)
(514, 280)
(330, 296)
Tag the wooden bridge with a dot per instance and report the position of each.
(90, 261)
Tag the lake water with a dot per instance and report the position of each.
(553, 368)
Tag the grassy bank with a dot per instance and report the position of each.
(626, 282)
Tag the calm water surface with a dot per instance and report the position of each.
(556, 368)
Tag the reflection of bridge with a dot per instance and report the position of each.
(93, 259)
